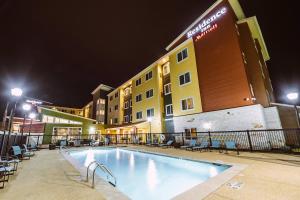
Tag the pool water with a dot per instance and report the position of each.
(145, 176)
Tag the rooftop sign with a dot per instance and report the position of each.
(205, 24)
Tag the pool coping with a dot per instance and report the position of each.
(201, 190)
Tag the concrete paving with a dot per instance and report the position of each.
(267, 176)
(47, 176)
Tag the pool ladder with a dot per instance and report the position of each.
(104, 169)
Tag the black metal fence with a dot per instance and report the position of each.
(281, 140)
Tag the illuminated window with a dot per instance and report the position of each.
(127, 91)
(101, 112)
(126, 105)
(148, 75)
(126, 119)
(102, 101)
(169, 110)
(185, 78)
(138, 82)
(150, 112)
(182, 55)
(149, 94)
(138, 98)
(166, 69)
(167, 88)
(139, 115)
(187, 104)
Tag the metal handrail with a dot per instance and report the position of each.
(104, 169)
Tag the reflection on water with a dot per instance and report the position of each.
(90, 157)
(151, 174)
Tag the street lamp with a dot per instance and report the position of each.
(294, 97)
(32, 116)
(26, 107)
(149, 119)
(16, 93)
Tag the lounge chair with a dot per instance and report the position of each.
(29, 152)
(9, 161)
(17, 153)
(192, 144)
(167, 145)
(3, 176)
(202, 146)
(231, 145)
(216, 144)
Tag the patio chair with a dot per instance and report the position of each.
(26, 150)
(167, 145)
(202, 146)
(216, 144)
(192, 144)
(10, 160)
(3, 177)
(231, 145)
(17, 153)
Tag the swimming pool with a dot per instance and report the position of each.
(145, 176)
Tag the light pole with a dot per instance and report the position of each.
(15, 93)
(149, 119)
(32, 116)
(293, 97)
(26, 107)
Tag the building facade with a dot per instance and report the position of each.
(214, 77)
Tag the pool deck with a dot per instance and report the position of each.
(267, 176)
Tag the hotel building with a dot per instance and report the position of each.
(213, 77)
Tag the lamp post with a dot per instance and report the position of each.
(149, 119)
(293, 97)
(26, 107)
(15, 93)
(32, 116)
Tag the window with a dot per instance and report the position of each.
(101, 112)
(182, 55)
(116, 107)
(111, 121)
(138, 82)
(187, 104)
(185, 78)
(139, 115)
(166, 69)
(148, 76)
(167, 88)
(169, 110)
(149, 94)
(126, 105)
(109, 109)
(111, 98)
(102, 101)
(130, 103)
(117, 95)
(138, 98)
(130, 118)
(150, 112)
(115, 120)
(126, 119)
(127, 91)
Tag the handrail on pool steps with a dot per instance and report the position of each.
(104, 169)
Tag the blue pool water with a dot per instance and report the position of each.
(145, 176)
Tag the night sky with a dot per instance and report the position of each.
(60, 50)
